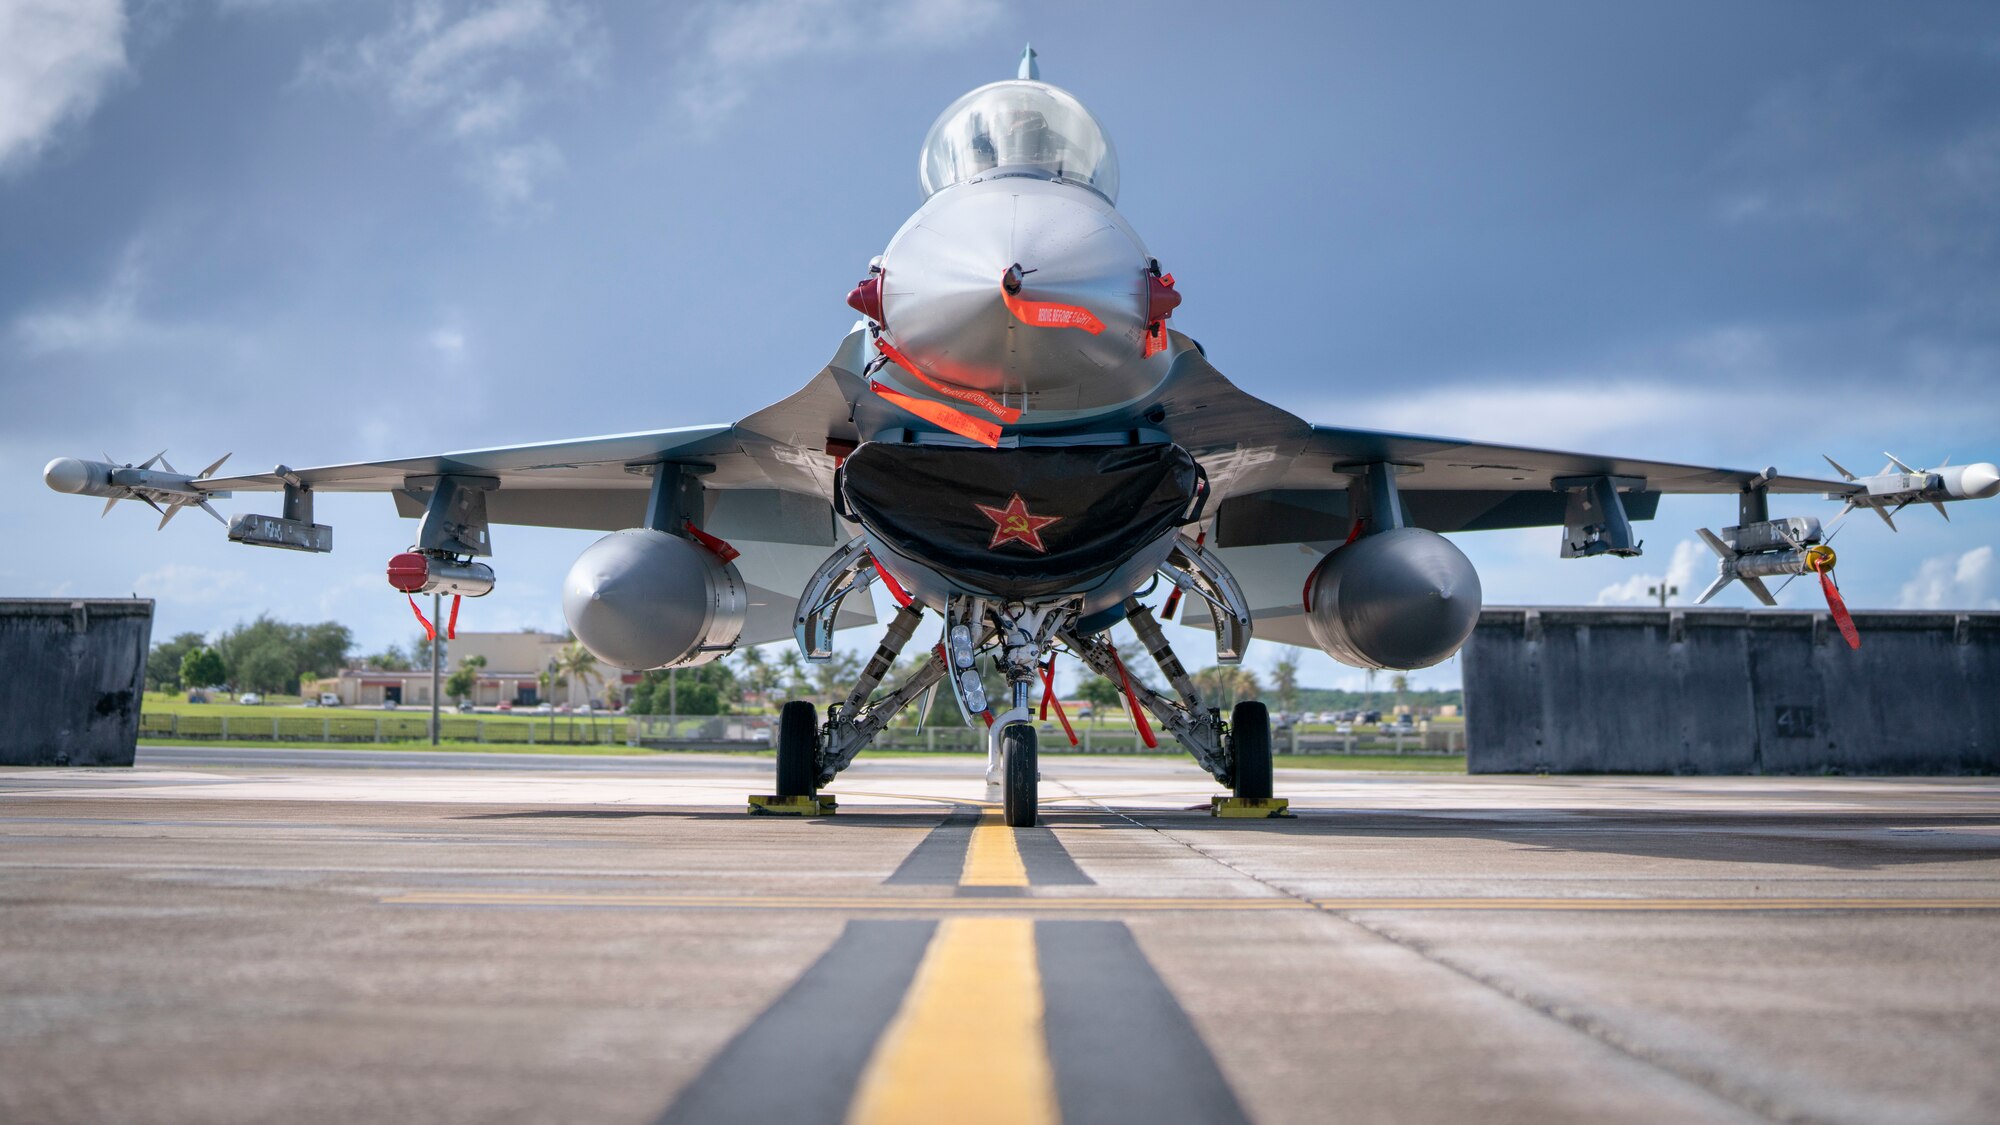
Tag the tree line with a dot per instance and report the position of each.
(273, 657)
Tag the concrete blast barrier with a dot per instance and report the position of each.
(72, 677)
(1717, 691)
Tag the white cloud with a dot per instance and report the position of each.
(107, 320)
(738, 43)
(1967, 581)
(447, 342)
(1684, 570)
(186, 585)
(476, 71)
(511, 175)
(57, 58)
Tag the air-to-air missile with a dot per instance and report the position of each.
(1897, 486)
(165, 489)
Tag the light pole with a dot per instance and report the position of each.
(437, 603)
(1663, 592)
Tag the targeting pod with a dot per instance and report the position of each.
(415, 573)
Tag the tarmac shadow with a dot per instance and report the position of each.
(1852, 841)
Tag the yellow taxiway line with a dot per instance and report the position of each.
(967, 1045)
(993, 859)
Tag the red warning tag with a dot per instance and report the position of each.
(974, 398)
(1838, 607)
(430, 632)
(957, 421)
(1050, 314)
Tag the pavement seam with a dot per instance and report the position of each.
(1717, 1085)
(1709, 1082)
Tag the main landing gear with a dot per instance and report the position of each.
(1019, 636)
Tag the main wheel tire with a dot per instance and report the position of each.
(1017, 742)
(1250, 738)
(798, 749)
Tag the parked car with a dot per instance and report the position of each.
(250, 699)
(329, 699)
(505, 705)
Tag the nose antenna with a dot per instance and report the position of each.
(1029, 69)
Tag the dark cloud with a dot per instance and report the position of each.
(320, 232)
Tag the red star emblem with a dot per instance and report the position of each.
(1014, 522)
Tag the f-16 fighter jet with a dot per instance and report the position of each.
(1014, 438)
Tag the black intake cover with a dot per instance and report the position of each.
(1087, 507)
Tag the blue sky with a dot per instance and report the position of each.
(1735, 233)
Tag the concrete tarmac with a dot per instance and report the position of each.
(245, 935)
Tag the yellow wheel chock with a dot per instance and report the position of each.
(764, 804)
(1252, 807)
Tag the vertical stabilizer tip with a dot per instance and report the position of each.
(1029, 68)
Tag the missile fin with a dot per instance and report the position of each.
(154, 459)
(166, 464)
(1757, 587)
(1884, 513)
(1940, 507)
(1839, 468)
(1899, 464)
(1714, 588)
(171, 510)
(108, 505)
(210, 471)
(210, 509)
(1720, 548)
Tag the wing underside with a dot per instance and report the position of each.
(1283, 488)
(767, 487)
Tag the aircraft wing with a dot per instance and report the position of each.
(1281, 496)
(767, 484)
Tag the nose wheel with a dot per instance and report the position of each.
(1017, 744)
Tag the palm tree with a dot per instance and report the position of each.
(1285, 682)
(579, 663)
(755, 670)
(792, 672)
(1401, 683)
(1223, 686)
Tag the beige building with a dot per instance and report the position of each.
(515, 663)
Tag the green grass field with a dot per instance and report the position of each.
(1380, 763)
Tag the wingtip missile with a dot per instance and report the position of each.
(164, 490)
(1898, 486)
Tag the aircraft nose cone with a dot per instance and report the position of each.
(66, 474)
(1016, 286)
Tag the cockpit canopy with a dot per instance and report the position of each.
(1019, 125)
